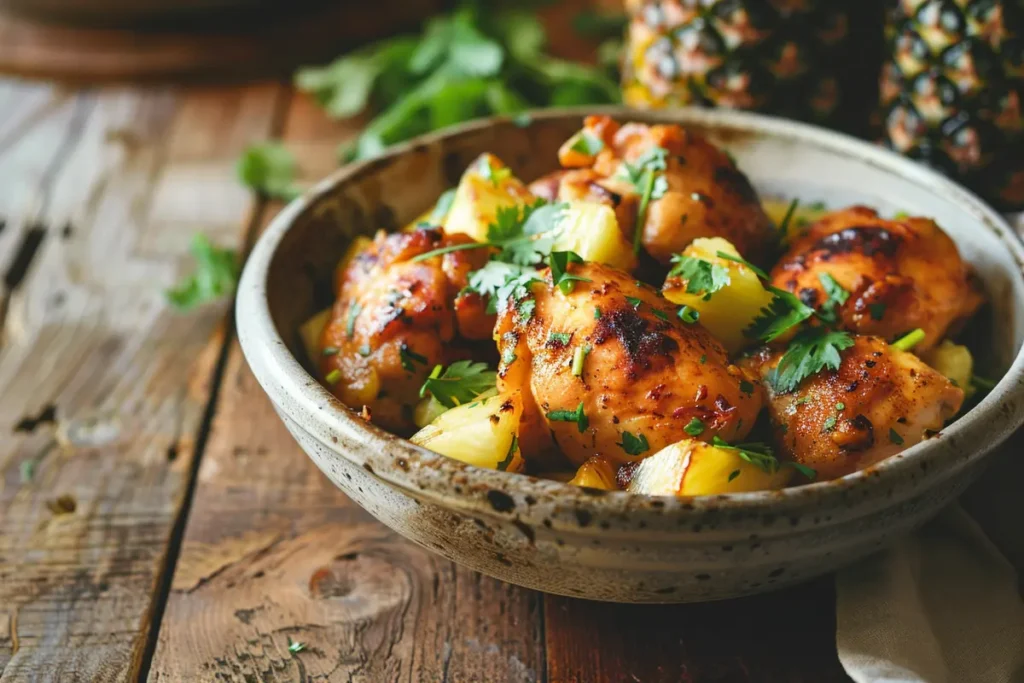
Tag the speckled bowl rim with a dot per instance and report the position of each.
(430, 476)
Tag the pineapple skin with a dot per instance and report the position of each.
(786, 57)
(952, 91)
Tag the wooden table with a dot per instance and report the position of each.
(156, 519)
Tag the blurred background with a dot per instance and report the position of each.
(938, 80)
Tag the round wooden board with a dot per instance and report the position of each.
(268, 44)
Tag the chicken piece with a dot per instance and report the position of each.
(612, 371)
(707, 195)
(880, 401)
(901, 274)
(395, 318)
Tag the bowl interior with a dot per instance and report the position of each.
(781, 159)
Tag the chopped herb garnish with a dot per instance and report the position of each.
(578, 358)
(526, 308)
(837, 296)
(895, 437)
(354, 309)
(743, 262)
(597, 312)
(734, 474)
(810, 352)
(634, 445)
(877, 311)
(703, 358)
(784, 225)
(785, 312)
(513, 447)
(746, 387)
(830, 424)
(329, 351)
(586, 143)
(333, 377)
(459, 383)
(757, 454)
(808, 472)
(658, 313)
(295, 646)
(560, 276)
(633, 301)
(577, 416)
(562, 338)
(840, 406)
(508, 356)
(269, 169)
(650, 184)
(364, 350)
(695, 427)
(215, 276)
(910, 340)
(802, 400)
(689, 315)
(702, 277)
(407, 356)
(443, 205)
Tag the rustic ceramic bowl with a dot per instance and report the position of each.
(617, 546)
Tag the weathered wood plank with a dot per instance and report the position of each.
(786, 637)
(103, 385)
(273, 551)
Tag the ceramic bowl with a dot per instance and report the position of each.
(613, 545)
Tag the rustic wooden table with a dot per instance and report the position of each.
(156, 519)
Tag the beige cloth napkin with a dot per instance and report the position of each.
(942, 607)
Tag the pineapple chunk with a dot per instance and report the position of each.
(952, 360)
(311, 331)
(486, 186)
(429, 408)
(591, 230)
(359, 244)
(731, 309)
(597, 473)
(694, 468)
(482, 433)
(435, 215)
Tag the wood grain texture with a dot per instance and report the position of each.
(780, 637)
(273, 551)
(103, 385)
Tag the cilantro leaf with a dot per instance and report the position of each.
(586, 143)
(783, 313)
(702, 277)
(216, 275)
(407, 357)
(810, 352)
(560, 276)
(634, 445)
(758, 454)
(577, 416)
(459, 383)
(695, 427)
(837, 296)
(295, 646)
(269, 169)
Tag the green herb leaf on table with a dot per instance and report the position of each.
(459, 383)
(269, 169)
(215, 275)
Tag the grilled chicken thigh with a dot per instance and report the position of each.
(609, 369)
(880, 401)
(901, 274)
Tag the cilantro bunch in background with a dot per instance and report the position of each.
(476, 61)
(473, 62)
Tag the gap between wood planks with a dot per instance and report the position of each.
(166, 576)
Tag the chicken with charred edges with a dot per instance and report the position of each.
(516, 326)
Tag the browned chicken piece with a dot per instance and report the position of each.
(880, 401)
(612, 371)
(901, 274)
(395, 318)
(707, 195)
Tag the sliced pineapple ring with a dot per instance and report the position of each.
(694, 468)
(483, 433)
(729, 310)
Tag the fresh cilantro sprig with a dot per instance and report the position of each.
(783, 313)
(560, 276)
(647, 176)
(578, 416)
(461, 382)
(761, 456)
(810, 352)
(836, 297)
(215, 275)
(702, 277)
(634, 445)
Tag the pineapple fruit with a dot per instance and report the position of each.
(952, 91)
(779, 56)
